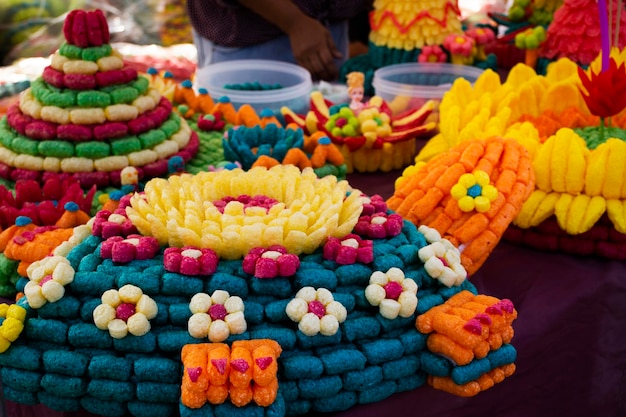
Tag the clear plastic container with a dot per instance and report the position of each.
(409, 86)
(294, 92)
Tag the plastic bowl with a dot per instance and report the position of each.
(294, 92)
(409, 86)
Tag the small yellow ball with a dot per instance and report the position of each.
(482, 178)
(458, 191)
(482, 204)
(466, 204)
(467, 180)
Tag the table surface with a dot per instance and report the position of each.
(570, 336)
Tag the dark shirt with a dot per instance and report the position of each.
(227, 23)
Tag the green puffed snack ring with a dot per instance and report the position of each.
(70, 51)
(63, 99)
(6, 137)
(56, 149)
(141, 84)
(22, 145)
(93, 150)
(93, 98)
(152, 138)
(125, 146)
(124, 95)
(94, 53)
(171, 126)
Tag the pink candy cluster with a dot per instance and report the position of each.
(106, 226)
(133, 247)
(283, 265)
(336, 250)
(247, 201)
(190, 260)
(379, 225)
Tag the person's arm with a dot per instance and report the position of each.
(311, 42)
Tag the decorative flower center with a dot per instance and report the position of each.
(192, 253)
(45, 279)
(459, 40)
(474, 191)
(317, 308)
(217, 312)
(247, 201)
(341, 122)
(443, 260)
(393, 290)
(124, 311)
(352, 243)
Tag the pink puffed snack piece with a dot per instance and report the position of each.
(68, 26)
(94, 30)
(112, 77)
(110, 130)
(156, 168)
(75, 133)
(40, 129)
(19, 121)
(77, 81)
(79, 30)
(130, 74)
(53, 77)
(141, 124)
(88, 179)
(24, 174)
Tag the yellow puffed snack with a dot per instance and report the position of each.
(80, 67)
(182, 136)
(7, 156)
(87, 116)
(109, 63)
(144, 103)
(166, 148)
(29, 106)
(51, 164)
(142, 157)
(29, 162)
(57, 61)
(155, 94)
(111, 163)
(121, 112)
(55, 114)
(76, 164)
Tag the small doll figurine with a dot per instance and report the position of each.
(129, 177)
(355, 91)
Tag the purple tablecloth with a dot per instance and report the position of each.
(570, 336)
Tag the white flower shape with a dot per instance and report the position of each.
(123, 311)
(442, 260)
(316, 311)
(47, 280)
(393, 293)
(216, 316)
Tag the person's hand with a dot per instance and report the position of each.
(314, 49)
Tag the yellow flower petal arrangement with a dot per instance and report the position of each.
(580, 169)
(180, 211)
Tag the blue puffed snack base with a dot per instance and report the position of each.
(65, 362)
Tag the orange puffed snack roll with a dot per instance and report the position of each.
(245, 372)
(467, 326)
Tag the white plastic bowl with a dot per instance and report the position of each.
(409, 86)
(295, 82)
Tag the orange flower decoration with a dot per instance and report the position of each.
(605, 91)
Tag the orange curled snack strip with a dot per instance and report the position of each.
(265, 161)
(482, 383)
(247, 116)
(466, 326)
(420, 196)
(297, 157)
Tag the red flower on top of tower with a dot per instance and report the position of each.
(86, 28)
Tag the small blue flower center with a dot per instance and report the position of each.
(474, 191)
